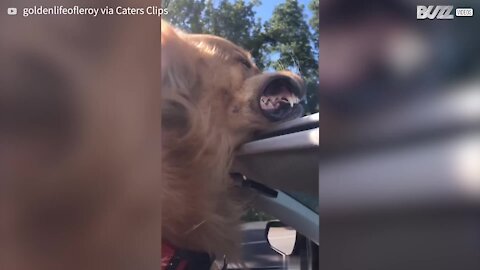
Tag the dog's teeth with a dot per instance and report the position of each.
(290, 100)
(274, 102)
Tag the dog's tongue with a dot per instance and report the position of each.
(271, 102)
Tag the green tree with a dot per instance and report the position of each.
(314, 7)
(236, 22)
(313, 83)
(186, 14)
(290, 38)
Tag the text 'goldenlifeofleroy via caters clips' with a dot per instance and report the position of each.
(93, 11)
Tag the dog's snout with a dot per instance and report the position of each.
(281, 96)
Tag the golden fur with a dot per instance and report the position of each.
(209, 107)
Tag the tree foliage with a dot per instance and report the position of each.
(236, 22)
(291, 38)
(186, 14)
(314, 7)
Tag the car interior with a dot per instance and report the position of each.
(278, 172)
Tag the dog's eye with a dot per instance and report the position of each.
(245, 62)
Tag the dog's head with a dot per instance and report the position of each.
(221, 80)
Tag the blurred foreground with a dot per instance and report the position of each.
(400, 137)
(79, 140)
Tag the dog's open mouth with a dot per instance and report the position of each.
(280, 100)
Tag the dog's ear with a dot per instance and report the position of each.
(178, 61)
(169, 39)
(178, 78)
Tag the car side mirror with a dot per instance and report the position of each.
(281, 237)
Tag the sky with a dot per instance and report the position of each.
(265, 10)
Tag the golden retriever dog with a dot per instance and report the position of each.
(214, 98)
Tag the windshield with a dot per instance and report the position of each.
(306, 199)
